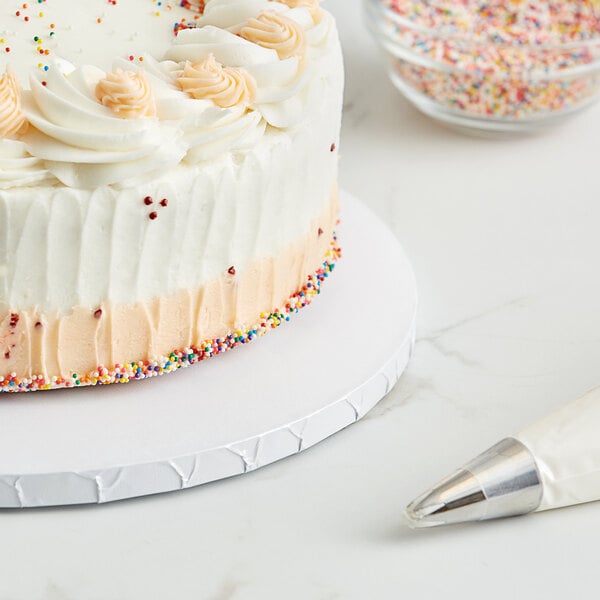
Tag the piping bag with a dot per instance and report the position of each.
(553, 463)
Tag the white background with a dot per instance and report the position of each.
(503, 236)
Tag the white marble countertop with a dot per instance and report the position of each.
(503, 236)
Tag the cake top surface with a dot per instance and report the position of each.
(86, 32)
(113, 92)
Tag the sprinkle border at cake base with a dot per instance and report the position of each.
(181, 358)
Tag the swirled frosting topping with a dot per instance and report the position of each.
(287, 90)
(276, 32)
(210, 80)
(12, 119)
(313, 6)
(240, 69)
(86, 144)
(18, 168)
(127, 94)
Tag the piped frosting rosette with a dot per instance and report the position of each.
(17, 166)
(209, 128)
(271, 42)
(246, 65)
(94, 129)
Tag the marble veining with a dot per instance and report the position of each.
(503, 238)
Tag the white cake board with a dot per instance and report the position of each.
(234, 413)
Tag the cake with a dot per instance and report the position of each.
(167, 181)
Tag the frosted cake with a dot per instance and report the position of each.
(167, 181)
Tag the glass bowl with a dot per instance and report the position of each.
(504, 66)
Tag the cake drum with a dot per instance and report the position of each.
(234, 413)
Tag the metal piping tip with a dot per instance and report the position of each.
(501, 482)
(455, 499)
(418, 517)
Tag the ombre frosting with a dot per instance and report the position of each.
(168, 194)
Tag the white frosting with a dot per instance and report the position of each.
(207, 131)
(73, 248)
(243, 191)
(566, 446)
(85, 145)
(128, 28)
(286, 92)
(229, 13)
(19, 168)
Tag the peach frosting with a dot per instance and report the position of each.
(127, 94)
(276, 32)
(33, 343)
(12, 119)
(210, 80)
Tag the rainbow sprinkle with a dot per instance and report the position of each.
(178, 359)
(515, 60)
(196, 6)
(30, 13)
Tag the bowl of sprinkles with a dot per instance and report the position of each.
(495, 65)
